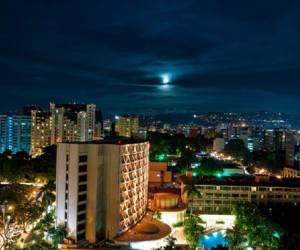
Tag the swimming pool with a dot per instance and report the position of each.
(212, 240)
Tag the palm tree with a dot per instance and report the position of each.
(46, 194)
(193, 230)
(191, 190)
(235, 238)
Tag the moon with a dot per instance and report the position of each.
(166, 79)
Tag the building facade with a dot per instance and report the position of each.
(15, 133)
(74, 122)
(292, 157)
(220, 198)
(40, 131)
(290, 173)
(159, 174)
(127, 126)
(219, 144)
(101, 187)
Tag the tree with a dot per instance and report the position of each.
(57, 234)
(236, 148)
(46, 226)
(191, 190)
(27, 213)
(235, 238)
(46, 194)
(7, 231)
(157, 215)
(211, 167)
(171, 243)
(253, 229)
(193, 230)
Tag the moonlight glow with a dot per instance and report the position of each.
(166, 78)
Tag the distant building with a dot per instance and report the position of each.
(194, 131)
(290, 173)
(127, 126)
(15, 133)
(252, 144)
(280, 139)
(40, 131)
(107, 126)
(292, 149)
(268, 139)
(101, 187)
(74, 122)
(219, 144)
(166, 127)
(142, 134)
(98, 130)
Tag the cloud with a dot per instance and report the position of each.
(113, 53)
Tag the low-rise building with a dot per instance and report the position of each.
(217, 196)
(159, 174)
(290, 173)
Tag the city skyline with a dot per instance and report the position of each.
(141, 56)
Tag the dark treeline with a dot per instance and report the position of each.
(20, 167)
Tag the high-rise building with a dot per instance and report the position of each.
(40, 131)
(292, 148)
(268, 139)
(98, 130)
(101, 187)
(107, 126)
(15, 133)
(280, 139)
(127, 126)
(73, 122)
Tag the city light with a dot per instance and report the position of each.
(138, 131)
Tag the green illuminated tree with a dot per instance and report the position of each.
(253, 229)
(235, 238)
(157, 215)
(193, 230)
(211, 167)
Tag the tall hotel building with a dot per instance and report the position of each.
(15, 133)
(101, 187)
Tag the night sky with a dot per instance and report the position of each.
(142, 56)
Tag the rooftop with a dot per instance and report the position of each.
(240, 181)
(112, 140)
(147, 229)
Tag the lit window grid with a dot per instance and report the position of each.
(134, 184)
(221, 199)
